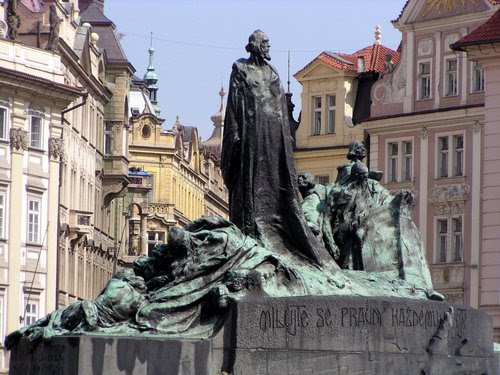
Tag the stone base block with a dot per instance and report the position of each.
(298, 335)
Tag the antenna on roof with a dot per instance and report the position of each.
(288, 81)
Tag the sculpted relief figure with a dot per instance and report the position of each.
(257, 157)
(54, 22)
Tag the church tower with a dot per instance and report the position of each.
(151, 80)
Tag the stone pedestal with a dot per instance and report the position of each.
(299, 335)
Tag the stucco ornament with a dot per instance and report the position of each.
(391, 87)
(18, 139)
(56, 148)
(425, 47)
(365, 245)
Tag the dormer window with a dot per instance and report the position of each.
(316, 120)
(361, 64)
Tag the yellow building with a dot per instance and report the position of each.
(175, 178)
(335, 97)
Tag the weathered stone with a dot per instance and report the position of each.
(293, 335)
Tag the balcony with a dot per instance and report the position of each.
(80, 222)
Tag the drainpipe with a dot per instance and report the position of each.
(83, 102)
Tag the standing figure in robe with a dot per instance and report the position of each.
(257, 158)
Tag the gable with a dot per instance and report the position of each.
(427, 10)
(317, 69)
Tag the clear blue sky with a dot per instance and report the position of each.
(196, 42)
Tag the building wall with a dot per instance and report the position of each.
(321, 153)
(185, 182)
(448, 208)
(29, 181)
(489, 299)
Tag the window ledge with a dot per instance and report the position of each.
(33, 244)
(36, 149)
(450, 180)
(398, 185)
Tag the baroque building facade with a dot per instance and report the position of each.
(335, 97)
(33, 96)
(427, 132)
(175, 177)
(63, 146)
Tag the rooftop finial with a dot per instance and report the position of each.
(378, 33)
(151, 51)
(151, 79)
(222, 93)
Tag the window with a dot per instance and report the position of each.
(361, 64)
(458, 155)
(424, 80)
(477, 77)
(154, 239)
(457, 239)
(443, 156)
(443, 239)
(393, 162)
(331, 114)
(316, 121)
(35, 131)
(400, 161)
(33, 221)
(108, 138)
(2, 215)
(407, 161)
(451, 77)
(451, 162)
(31, 313)
(3, 123)
(2, 315)
(449, 240)
(323, 180)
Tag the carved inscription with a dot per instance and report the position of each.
(50, 360)
(293, 318)
(415, 318)
(290, 319)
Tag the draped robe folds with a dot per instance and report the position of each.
(257, 164)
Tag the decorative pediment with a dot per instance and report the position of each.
(425, 10)
(317, 69)
(452, 192)
(449, 199)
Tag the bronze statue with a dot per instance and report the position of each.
(257, 157)
(273, 246)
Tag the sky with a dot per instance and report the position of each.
(197, 41)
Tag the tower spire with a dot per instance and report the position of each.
(151, 79)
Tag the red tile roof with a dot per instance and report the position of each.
(374, 58)
(488, 32)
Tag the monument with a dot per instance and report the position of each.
(334, 281)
